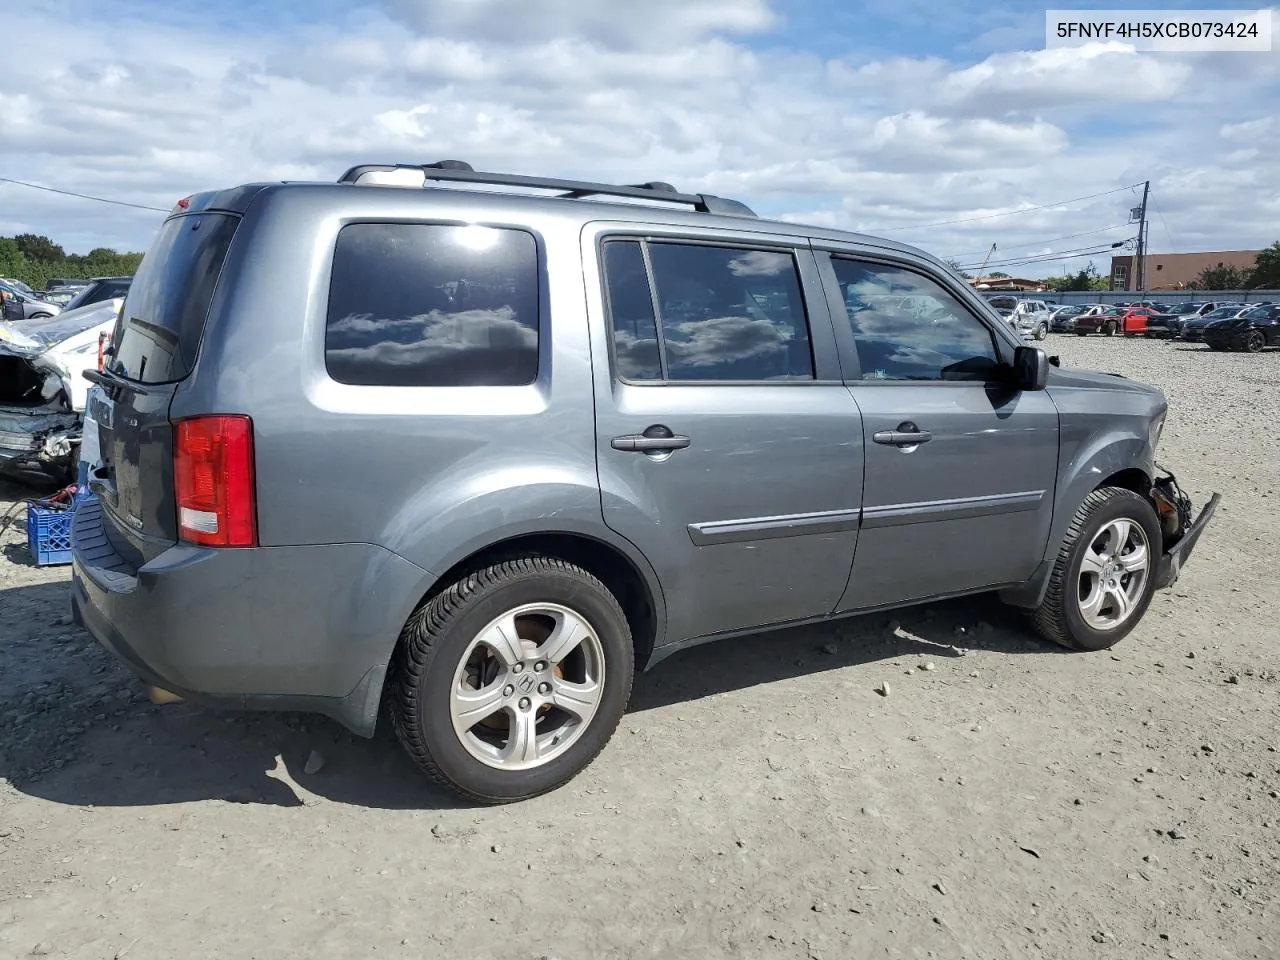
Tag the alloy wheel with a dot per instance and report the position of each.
(1113, 574)
(527, 686)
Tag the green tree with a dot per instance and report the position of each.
(1266, 269)
(1085, 279)
(1220, 277)
(997, 275)
(12, 262)
(38, 248)
(955, 265)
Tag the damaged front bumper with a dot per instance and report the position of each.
(1181, 533)
(42, 438)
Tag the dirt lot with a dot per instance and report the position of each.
(1007, 799)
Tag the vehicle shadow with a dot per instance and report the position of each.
(80, 730)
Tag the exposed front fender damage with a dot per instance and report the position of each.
(42, 397)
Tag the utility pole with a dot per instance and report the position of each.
(1140, 262)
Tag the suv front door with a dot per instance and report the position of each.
(960, 467)
(729, 450)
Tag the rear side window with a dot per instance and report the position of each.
(431, 305)
(164, 312)
(724, 314)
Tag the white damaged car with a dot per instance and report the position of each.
(42, 392)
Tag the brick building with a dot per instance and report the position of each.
(1173, 271)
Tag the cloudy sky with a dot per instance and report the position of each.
(887, 116)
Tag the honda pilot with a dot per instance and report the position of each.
(470, 449)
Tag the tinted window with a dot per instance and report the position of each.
(908, 327)
(635, 333)
(423, 305)
(164, 313)
(730, 314)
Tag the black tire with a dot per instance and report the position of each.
(1254, 341)
(1058, 617)
(1108, 329)
(439, 632)
(1042, 331)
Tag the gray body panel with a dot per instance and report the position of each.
(781, 509)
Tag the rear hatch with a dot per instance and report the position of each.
(153, 350)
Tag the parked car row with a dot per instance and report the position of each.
(19, 302)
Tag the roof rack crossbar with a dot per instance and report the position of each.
(456, 171)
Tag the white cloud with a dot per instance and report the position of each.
(1109, 73)
(653, 24)
(667, 90)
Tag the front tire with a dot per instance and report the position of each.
(509, 683)
(1254, 341)
(1104, 575)
(1109, 330)
(1042, 331)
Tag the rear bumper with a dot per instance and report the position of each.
(297, 628)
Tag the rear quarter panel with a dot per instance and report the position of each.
(431, 474)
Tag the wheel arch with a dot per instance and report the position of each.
(1115, 460)
(621, 568)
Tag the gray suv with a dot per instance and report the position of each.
(475, 456)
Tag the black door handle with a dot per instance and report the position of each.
(907, 435)
(639, 442)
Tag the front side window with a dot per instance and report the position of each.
(908, 327)
(430, 305)
(722, 313)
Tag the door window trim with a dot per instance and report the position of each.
(846, 342)
(812, 296)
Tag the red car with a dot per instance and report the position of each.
(1131, 321)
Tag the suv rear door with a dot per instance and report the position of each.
(960, 468)
(729, 451)
(153, 349)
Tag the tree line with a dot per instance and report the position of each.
(35, 260)
(1264, 275)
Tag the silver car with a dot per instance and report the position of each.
(478, 456)
(20, 302)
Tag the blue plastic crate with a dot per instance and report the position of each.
(49, 530)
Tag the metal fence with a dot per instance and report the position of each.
(1169, 297)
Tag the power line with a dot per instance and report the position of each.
(1049, 258)
(1038, 243)
(1167, 232)
(82, 196)
(1007, 213)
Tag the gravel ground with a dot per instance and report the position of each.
(1007, 799)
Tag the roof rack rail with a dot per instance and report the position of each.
(458, 171)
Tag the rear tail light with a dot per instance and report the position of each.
(213, 481)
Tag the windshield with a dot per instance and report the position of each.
(1221, 312)
(1258, 313)
(1070, 311)
(1185, 308)
(1003, 303)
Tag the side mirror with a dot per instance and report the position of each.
(1030, 368)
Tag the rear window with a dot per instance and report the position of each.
(168, 300)
(433, 305)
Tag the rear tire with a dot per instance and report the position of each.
(1109, 330)
(1042, 331)
(443, 671)
(1254, 341)
(1064, 615)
